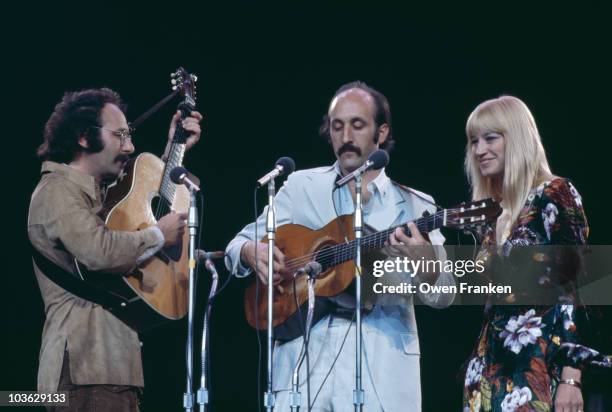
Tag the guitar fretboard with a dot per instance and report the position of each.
(335, 255)
(167, 189)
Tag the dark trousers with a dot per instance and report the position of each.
(95, 398)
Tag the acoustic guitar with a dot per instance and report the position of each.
(328, 247)
(157, 290)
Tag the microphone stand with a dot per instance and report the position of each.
(193, 225)
(203, 391)
(295, 396)
(269, 397)
(358, 395)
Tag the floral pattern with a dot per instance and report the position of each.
(474, 371)
(521, 350)
(549, 217)
(515, 399)
(522, 331)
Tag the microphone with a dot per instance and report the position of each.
(179, 175)
(312, 269)
(377, 160)
(284, 166)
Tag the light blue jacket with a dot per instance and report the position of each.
(390, 331)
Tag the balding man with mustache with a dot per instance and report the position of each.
(358, 122)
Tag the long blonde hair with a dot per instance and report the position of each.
(525, 164)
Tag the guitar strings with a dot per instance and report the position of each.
(340, 251)
(166, 191)
(346, 250)
(376, 238)
(165, 198)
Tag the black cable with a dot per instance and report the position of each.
(303, 328)
(304, 343)
(218, 292)
(334, 362)
(351, 322)
(353, 317)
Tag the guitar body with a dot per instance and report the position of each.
(334, 248)
(296, 241)
(156, 291)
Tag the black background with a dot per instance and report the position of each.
(267, 72)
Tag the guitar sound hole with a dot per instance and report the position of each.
(326, 257)
(159, 207)
(155, 205)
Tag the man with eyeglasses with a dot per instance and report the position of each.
(85, 349)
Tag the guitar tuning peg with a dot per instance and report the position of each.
(194, 77)
(173, 81)
(173, 75)
(174, 87)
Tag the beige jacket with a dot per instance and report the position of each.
(63, 224)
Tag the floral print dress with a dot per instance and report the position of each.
(521, 349)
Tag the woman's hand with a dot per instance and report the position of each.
(568, 398)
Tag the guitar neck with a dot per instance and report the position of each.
(425, 224)
(347, 251)
(167, 188)
(185, 82)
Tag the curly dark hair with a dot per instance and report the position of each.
(382, 115)
(74, 116)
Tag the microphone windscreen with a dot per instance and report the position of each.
(313, 268)
(177, 173)
(287, 163)
(379, 158)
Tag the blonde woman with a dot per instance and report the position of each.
(527, 358)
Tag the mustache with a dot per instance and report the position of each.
(348, 147)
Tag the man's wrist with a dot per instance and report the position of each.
(243, 252)
(159, 234)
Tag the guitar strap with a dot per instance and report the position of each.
(72, 284)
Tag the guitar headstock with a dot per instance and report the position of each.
(185, 83)
(473, 214)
